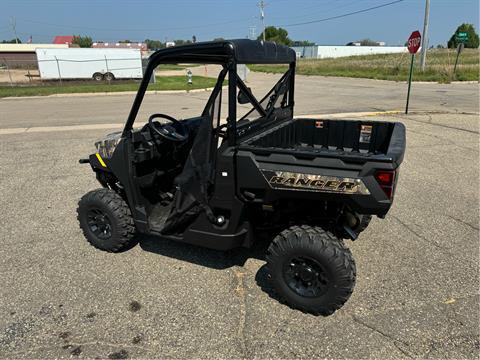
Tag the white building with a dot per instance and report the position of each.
(323, 52)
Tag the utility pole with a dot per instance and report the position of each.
(13, 22)
(425, 35)
(261, 5)
(251, 33)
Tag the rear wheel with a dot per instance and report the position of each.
(106, 220)
(311, 269)
(109, 76)
(97, 76)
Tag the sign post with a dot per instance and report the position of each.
(459, 50)
(462, 38)
(413, 45)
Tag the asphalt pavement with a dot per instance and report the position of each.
(313, 95)
(417, 270)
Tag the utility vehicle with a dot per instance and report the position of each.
(218, 183)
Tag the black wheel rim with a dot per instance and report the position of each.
(99, 223)
(306, 277)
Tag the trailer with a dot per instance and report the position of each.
(86, 63)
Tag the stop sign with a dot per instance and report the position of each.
(414, 42)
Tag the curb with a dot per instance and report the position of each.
(110, 93)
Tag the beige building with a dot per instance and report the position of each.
(22, 56)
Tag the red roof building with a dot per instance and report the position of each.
(63, 40)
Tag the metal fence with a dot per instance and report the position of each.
(28, 71)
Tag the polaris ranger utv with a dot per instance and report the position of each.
(215, 183)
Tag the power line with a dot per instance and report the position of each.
(343, 15)
(315, 11)
(132, 30)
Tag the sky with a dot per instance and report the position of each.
(136, 20)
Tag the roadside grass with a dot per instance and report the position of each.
(440, 63)
(175, 66)
(163, 83)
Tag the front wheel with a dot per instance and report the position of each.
(106, 220)
(311, 269)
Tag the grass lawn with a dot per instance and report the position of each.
(163, 83)
(395, 67)
(175, 66)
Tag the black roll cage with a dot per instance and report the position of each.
(227, 53)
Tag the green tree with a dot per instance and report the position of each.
(218, 39)
(302, 43)
(368, 42)
(278, 35)
(13, 41)
(182, 42)
(154, 44)
(82, 41)
(472, 37)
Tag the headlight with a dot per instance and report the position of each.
(106, 146)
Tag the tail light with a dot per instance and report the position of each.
(386, 180)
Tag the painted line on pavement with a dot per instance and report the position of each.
(349, 114)
(46, 129)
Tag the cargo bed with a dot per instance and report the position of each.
(349, 140)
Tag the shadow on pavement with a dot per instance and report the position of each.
(202, 256)
(214, 259)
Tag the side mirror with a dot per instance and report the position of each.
(242, 98)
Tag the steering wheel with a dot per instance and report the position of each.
(176, 131)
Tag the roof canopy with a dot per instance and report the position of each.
(68, 39)
(241, 51)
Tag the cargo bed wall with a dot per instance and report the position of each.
(343, 135)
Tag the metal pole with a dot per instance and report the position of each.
(456, 61)
(409, 83)
(459, 50)
(58, 68)
(262, 16)
(14, 27)
(425, 35)
(106, 66)
(8, 71)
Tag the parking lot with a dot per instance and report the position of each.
(417, 270)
